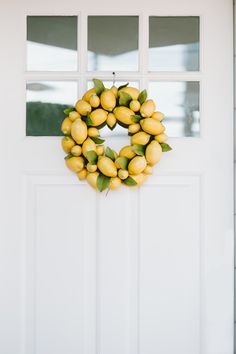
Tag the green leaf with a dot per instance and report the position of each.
(138, 149)
(165, 147)
(92, 157)
(99, 87)
(122, 162)
(136, 118)
(123, 86)
(68, 110)
(102, 182)
(124, 99)
(129, 181)
(109, 153)
(88, 121)
(68, 156)
(97, 140)
(142, 96)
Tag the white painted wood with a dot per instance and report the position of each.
(170, 266)
(234, 338)
(114, 246)
(59, 266)
(139, 271)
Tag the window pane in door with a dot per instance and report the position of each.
(51, 43)
(179, 101)
(173, 43)
(46, 101)
(113, 43)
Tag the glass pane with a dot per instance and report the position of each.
(113, 43)
(51, 43)
(46, 101)
(179, 101)
(173, 43)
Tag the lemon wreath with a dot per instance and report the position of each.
(104, 168)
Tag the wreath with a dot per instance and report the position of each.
(103, 167)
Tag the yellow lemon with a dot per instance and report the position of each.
(88, 145)
(141, 138)
(123, 174)
(153, 152)
(88, 94)
(76, 150)
(134, 105)
(134, 128)
(148, 170)
(124, 115)
(79, 131)
(108, 100)
(67, 143)
(93, 132)
(161, 138)
(94, 101)
(92, 179)
(114, 89)
(111, 120)
(158, 116)
(126, 151)
(115, 183)
(82, 174)
(152, 126)
(66, 126)
(132, 91)
(91, 168)
(74, 115)
(107, 166)
(83, 107)
(137, 165)
(139, 179)
(75, 164)
(100, 150)
(147, 108)
(98, 116)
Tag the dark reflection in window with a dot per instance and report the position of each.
(113, 43)
(173, 43)
(51, 43)
(46, 101)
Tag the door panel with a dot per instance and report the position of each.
(55, 279)
(138, 271)
(170, 272)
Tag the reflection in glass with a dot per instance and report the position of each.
(173, 43)
(113, 43)
(179, 101)
(46, 101)
(51, 43)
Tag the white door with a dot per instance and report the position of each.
(139, 271)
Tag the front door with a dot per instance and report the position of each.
(136, 271)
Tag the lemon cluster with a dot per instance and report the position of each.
(104, 168)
